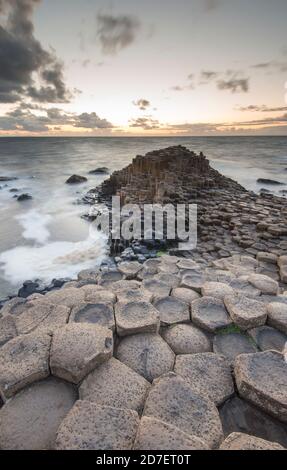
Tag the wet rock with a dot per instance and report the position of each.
(245, 312)
(147, 354)
(210, 314)
(29, 288)
(115, 384)
(24, 360)
(24, 197)
(232, 345)
(77, 349)
(185, 295)
(154, 434)
(240, 441)
(187, 339)
(172, 400)
(277, 316)
(208, 374)
(30, 420)
(7, 329)
(268, 338)
(264, 283)
(102, 170)
(269, 181)
(4, 179)
(218, 290)
(172, 311)
(76, 179)
(238, 415)
(89, 426)
(136, 317)
(100, 314)
(262, 379)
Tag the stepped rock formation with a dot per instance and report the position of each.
(174, 174)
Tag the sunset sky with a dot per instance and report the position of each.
(134, 67)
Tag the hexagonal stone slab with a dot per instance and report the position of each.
(185, 295)
(245, 312)
(172, 400)
(171, 280)
(172, 311)
(94, 313)
(115, 384)
(107, 278)
(147, 354)
(240, 441)
(193, 281)
(97, 294)
(156, 287)
(23, 360)
(268, 338)
(154, 434)
(7, 329)
(210, 314)
(277, 316)
(130, 269)
(77, 349)
(41, 314)
(135, 295)
(208, 374)
(264, 283)
(262, 379)
(232, 345)
(30, 420)
(89, 426)
(136, 317)
(187, 264)
(68, 297)
(218, 290)
(187, 339)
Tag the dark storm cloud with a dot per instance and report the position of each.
(235, 85)
(23, 119)
(22, 56)
(262, 109)
(116, 32)
(142, 104)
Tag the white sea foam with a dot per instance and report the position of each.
(52, 260)
(35, 226)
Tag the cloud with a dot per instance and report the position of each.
(146, 123)
(22, 57)
(277, 65)
(235, 85)
(207, 76)
(142, 104)
(262, 109)
(23, 119)
(116, 32)
(91, 121)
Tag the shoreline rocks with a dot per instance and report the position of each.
(158, 350)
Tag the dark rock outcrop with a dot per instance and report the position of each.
(76, 179)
